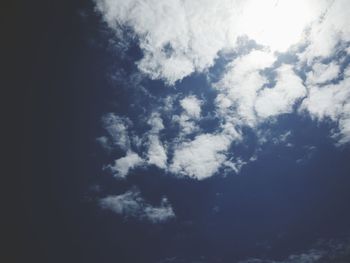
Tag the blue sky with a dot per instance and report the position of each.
(192, 131)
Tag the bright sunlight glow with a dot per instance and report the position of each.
(277, 24)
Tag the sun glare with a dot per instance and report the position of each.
(276, 24)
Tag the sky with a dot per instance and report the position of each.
(182, 131)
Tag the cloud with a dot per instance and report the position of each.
(201, 157)
(242, 91)
(191, 114)
(177, 37)
(330, 251)
(283, 138)
(131, 204)
(331, 102)
(322, 73)
(122, 166)
(235, 166)
(181, 37)
(117, 129)
(327, 32)
(104, 143)
(281, 98)
(192, 106)
(156, 151)
(239, 85)
(187, 124)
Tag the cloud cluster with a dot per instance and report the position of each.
(180, 37)
(131, 204)
(177, 37)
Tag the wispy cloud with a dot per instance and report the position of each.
(131, 204)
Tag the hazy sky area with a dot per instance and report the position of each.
(183, 131)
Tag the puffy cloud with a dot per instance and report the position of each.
(328, 101)
(201, 157)
(191, 113)
(179, 37)
(192, 106)
(187, 125)
(239, 86)
(242, 91)
(281, 98)
(131, 204)
(322, 73)
(333, 102)
(117, 129)
(122, 166)
(156, 123)
(156, 152)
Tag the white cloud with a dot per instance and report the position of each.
(202, 157)
(117, 129)
(327, 32)
(179, 37)
(192, 106)
(344, 126)
(281, 98)
(131, 204)
(122, 166)
(156, 152)
(187, 125)
(328, 101)
(332, 102)
(322, 73)
(156, 123)
(239, 86)
(191, 114)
